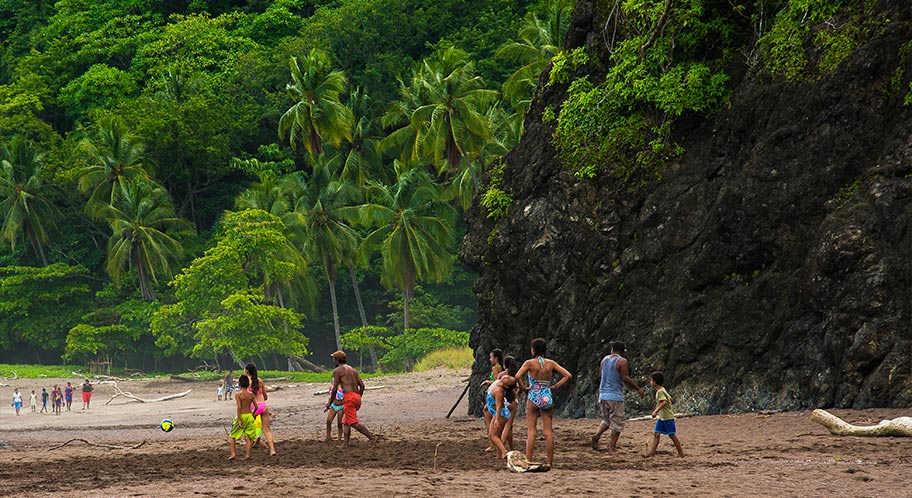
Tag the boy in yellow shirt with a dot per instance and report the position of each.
(665, 413)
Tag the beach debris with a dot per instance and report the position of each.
(119, 392)
(517, 462)
(436, 448)
(900, 426)
(649, 417)
(368, 388)
(464, 391)
(99, 445)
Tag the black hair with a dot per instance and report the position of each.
(539, 346)
(243, 381)
(499, 356)
(342, 361)
(658, 378)
(251, 370)
(512, 365)
(510, 392)
(618, 347)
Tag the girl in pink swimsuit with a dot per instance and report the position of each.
(259, 397)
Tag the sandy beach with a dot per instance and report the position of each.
(782, 454)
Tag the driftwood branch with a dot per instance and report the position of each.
(649, 417)
(900, 426)
(369, 388)
(99, 445)
(119, 392)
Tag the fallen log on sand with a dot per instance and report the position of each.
(649, 417)
(119, 392)
(99, 445)
(369, 388)
(901, 426)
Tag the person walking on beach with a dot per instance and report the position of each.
(539, 400)
(614, 373)
(33, 401)
(17, 400)
(347, 378)
(58, 399)
(229, 385)
(68, 394)
(665, 413)
(87, 389)
(44, 400)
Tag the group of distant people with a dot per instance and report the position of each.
(58, 398)
(508, 380)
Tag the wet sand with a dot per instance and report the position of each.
(783, 454)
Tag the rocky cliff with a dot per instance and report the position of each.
(769, 268)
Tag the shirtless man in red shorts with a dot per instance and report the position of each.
(347, 378)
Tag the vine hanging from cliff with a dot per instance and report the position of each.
(664, 59)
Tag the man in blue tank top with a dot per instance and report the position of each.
(615, 373)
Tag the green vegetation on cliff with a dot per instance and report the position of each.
(662, 60)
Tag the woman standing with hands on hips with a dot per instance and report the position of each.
(539, 373)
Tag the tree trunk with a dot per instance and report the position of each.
(237, 360)
(145, 285)
(407, 295)
(36, 244)
(354, 278)
(316, 144)
(331, 278)
(405, 309)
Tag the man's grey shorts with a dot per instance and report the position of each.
(612, 414)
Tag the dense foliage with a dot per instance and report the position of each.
(188, 181)
(225, 181)
(661, 61)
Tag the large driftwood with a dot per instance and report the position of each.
(119, 392)
(368, 388)
(100, 445)
(650, 417)
(901, 426)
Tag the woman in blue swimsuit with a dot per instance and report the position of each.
(539, 371)
(499, 395)
(496, 359)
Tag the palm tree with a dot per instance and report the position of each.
(539, 41)
(317, 115)
(321, 219)
(140, 217)
(361, 151)
(116, 158)
(414, 231)
(270, 194)
(442, 102)
(26, 212)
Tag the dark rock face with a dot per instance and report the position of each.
(770, 268)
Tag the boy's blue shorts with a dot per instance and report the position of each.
(665, 427)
